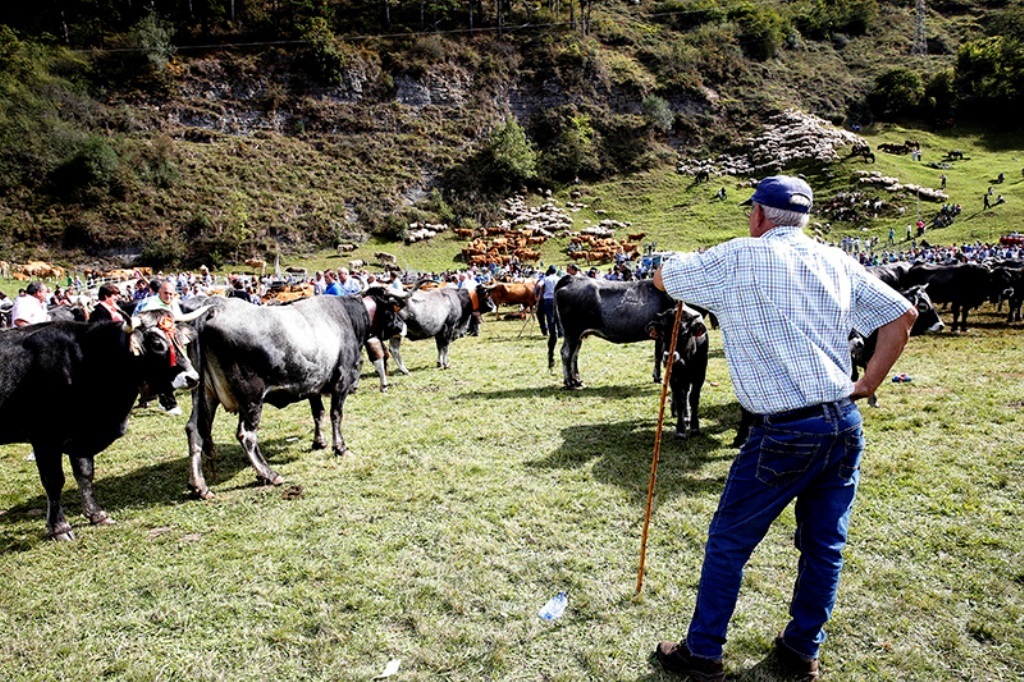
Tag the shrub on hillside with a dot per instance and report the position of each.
(761, 30)
(897, 91)
(822, 19)
(90, 173)
(659, 114)
(509, 158)
(569, 145)
(325, 54)
(990, 79)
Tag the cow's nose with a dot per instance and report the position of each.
(187, 380)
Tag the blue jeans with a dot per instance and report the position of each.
(814, 459)
(546, 318)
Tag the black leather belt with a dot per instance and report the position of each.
(804, 412)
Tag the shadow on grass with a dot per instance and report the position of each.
(161, 484)
(765, 670)
(621, 454)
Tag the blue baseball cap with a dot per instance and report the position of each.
(785, 192)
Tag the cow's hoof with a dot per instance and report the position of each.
(681, 435)
(319, 445)
(101, 519)
(277, 479)
(572, 387)
(384, 389)
(343, 453)
(404, 371)
(62, 534)
(204, 494)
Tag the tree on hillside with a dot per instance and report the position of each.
(990, 79)
(897, 91)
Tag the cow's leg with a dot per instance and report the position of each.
(199, 431)
(51, 473)
(396, 343)
(570, 370)
(337, 406)
(316, 405)
(248, 425)
(83, 467)
(695, 388)
(378, 356)
(659, 356)
(443, 342)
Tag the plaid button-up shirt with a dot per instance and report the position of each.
(786, 305)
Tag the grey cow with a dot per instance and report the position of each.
(279, 355)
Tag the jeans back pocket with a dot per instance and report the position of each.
(784, 458)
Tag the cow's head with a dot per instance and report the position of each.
(484, 303)
(928, 319)
(385, 306)
(160, 344)
(692, 331)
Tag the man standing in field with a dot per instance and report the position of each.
(786, 305)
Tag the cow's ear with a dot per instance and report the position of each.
(699, 330)
(186, 334)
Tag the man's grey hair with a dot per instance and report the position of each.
(784, 217)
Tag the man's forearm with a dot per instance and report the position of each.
(891, 340)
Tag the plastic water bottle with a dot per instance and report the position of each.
(555, 607)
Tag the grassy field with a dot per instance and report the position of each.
(475, 494)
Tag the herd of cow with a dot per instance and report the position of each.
(241, 357)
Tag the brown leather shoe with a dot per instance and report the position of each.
(676, 658)
(793, 665)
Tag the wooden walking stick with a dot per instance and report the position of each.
(657, 446)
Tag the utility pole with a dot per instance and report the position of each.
(920, 36)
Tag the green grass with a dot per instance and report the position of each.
(475, 494)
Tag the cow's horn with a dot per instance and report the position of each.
(130, 324)
(195, 314)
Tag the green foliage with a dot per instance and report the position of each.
(761, 30)
(821, 19)
(152, 37)
(90, 173)
(658, 113)
(569, 145)
(940, 94)
(990, 78)
(897, 91)
(509, 156)
(684, 15)
(326, 54)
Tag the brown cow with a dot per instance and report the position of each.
(513, 293)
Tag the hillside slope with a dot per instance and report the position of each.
(218, 154)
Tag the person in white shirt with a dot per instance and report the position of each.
(30, 308)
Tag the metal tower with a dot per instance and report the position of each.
(920, 36)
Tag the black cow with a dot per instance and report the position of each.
(1014, 271)
(862, 349)
(97, 368)
(689, 365)
(890, 273)
(249, 356)
(964, 286)
(442, 314)
(619, 312)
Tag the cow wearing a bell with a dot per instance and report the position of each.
(96, 368)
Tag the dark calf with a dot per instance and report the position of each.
(689, 365)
